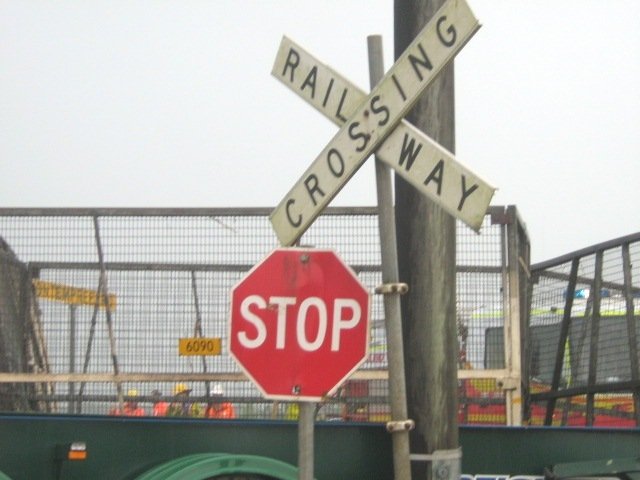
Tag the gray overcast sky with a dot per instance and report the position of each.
(156, 103)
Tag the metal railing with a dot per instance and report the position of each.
(584, 331)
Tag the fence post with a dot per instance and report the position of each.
(631, 328)
(515, 320)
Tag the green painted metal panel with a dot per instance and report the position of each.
(607, 467)
(126, 448)
(528, 450)
(121, 448)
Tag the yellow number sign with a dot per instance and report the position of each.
(200, 346)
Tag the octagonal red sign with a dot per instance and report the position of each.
(299, 324)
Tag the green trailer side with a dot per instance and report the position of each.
(128, 448)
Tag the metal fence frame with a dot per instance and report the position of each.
(511, 269)
(602, 277)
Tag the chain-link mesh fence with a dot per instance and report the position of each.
(98, 299)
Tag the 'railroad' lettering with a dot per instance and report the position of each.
(311, 81)
(293, 60)
(311, 184)
(298, 221)
(451, 30)
(336, 154)
(339, 110)
(465, 192)
(398, 87)
(355, 135)
(326, 95)
(436, 175)
(377, 109)
(408, 152)
(424, 62)
(314, 81)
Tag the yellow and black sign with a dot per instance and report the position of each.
(200, 346)
(72, 295)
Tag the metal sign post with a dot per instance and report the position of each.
(399, 425)
(306, 424)
(304, 314)
(374, 123)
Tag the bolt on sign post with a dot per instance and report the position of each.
(299, 324)
(374, 119)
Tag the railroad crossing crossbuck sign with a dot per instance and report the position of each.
(375, 122)
(299, 324)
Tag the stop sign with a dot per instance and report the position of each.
(299, 324)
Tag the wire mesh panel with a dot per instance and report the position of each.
(491, 293)
(584, 331)
(109, 294)
(480, 295)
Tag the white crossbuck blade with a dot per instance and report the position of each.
(374, 123)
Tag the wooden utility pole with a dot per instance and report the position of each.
(427, 262)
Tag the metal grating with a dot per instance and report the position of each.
(140, 279)
(585, 331)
